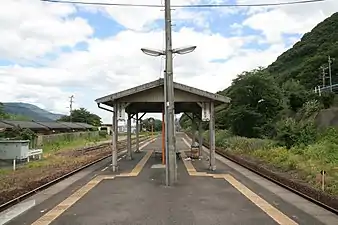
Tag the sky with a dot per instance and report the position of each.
(50, 51)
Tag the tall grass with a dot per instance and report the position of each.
(302, 162)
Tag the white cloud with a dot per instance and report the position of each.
(31, 28)
(137, 18)
(273, 22)
(116, 63)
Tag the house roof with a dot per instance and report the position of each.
(85, 125)
(5, 125)
(53, 125)
(25, 124)
(73, 125)
(43, 125)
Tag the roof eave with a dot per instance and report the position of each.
(130, 91)
(157, 83)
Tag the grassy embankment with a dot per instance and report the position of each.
(59, 158)
(302, 163)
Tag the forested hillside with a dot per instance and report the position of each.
(303, 61)
(283, 87)
(274, 113)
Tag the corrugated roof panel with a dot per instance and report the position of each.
(5, 125)
(88, 126)
(73, 125)
(26, 124)
(54, 125)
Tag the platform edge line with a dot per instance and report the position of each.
(55, 212)
(270, 210)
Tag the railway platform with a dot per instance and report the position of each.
(137, 194)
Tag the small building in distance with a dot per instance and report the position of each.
(106, 127)
(121, 127)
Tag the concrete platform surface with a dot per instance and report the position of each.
(138, 195)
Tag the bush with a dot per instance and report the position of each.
(243, 144)
(291, 133)
(103, 133)
(327, 99)
(221, 137)
(309, 108)
(329, 135)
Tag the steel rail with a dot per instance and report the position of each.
(284, 185)
(24, 196)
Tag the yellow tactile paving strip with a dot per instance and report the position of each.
(137, 169)
(54, 213)
(63, 206)
(274, 213)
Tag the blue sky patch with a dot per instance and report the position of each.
(103, 25)
(4, 62)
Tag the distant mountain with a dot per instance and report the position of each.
(31, 111)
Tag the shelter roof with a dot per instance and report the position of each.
(107, 100)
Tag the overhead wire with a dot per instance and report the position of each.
(163, 46)
(185, 6)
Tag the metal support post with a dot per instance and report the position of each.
(165, 80)
(200, 137)
(163, 139)
(137, 134)
(175, 147)
(170, 90)
(193, 129)
(129, 152)
(114, 141)
(212, 137)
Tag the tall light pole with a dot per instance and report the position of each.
(169, 94)
(170, 155)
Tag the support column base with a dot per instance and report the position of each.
(212, 168)
(129, 158)
(115, 168)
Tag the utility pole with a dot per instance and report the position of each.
(330, 60)
(323, 68)
(170, 117)
(71, 107)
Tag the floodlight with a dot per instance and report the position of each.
(152, 52)
(184, 50)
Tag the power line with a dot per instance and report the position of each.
(184, 6)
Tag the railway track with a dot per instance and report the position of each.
(121, 146)
(315, 196)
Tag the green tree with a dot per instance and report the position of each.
(327, 99)
(185, 121)
(82, 115)
(256, 101)
(157, 125)
(296, 94)
(3, 114)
